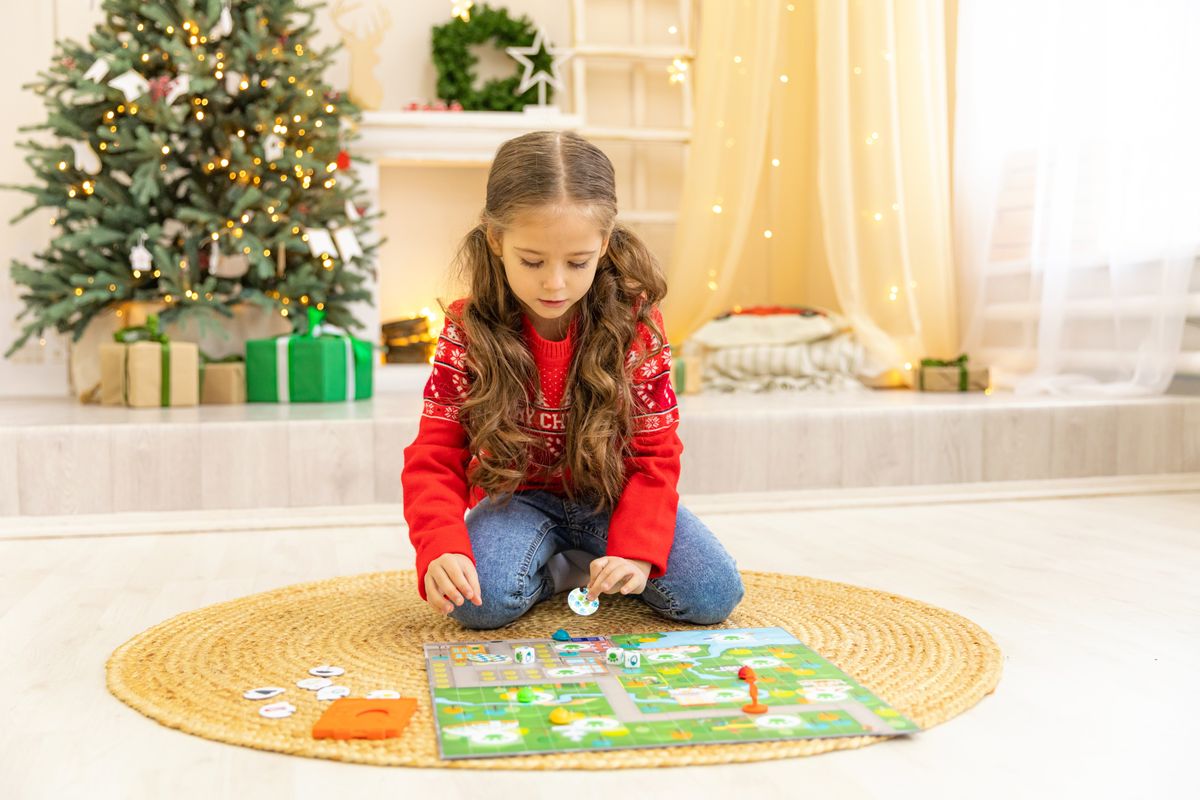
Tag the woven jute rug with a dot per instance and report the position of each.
(190, 671)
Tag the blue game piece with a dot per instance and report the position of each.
(561, 635)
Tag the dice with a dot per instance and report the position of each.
(633, 659)
(614, 655)
(523, 655)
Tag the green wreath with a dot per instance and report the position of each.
(456, 65)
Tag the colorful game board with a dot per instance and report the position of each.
(686, 691)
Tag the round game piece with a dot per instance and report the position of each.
(581, 604)
(333, 692)
(263, 693)
(326, 671)
(277, 710)
(383, 694)
(314, 684)
(525, 695)
(561, 635)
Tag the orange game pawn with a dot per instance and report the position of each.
(360, 718)
(753, 707)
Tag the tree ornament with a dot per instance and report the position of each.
(140, 259)
(131, 83)
(97, 70)
(86, 159)
(224, 25)
(272, 147)
(343, 160)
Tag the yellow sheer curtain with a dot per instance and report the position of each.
(819, 172)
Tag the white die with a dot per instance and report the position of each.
(523, 655)
(614, 655)
(633, 659)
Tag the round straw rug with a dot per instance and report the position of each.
(190, 671)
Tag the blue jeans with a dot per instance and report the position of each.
(513, 545)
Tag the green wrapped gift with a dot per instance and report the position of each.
(317, 366)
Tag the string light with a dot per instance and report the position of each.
(716, 209)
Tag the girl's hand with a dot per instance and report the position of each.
(610, 572)
(449, 581)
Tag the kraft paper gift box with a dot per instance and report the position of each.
(222, 382)
(143, 369)
(935, 375)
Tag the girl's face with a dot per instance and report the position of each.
(550, 257)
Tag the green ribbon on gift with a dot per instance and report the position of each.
(960, 362)
(148, 333)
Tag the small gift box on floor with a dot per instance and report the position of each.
(936, 375)
(222, 380)
(143, 369)
(321, 365)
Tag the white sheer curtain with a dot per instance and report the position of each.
(1077, 189)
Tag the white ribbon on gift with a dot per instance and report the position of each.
(283, 395)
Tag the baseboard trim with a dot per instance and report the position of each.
(391, 515)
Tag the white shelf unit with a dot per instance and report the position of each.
(637, 52)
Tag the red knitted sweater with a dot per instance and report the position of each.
(436, 464)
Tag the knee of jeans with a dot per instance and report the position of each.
(715, 606)
(487, 616)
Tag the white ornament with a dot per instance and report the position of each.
(352, 211)
(224, 25)
(233, 82)
(97, 70)
(347, 243)
(140, 258)
(131, 83)
(541, 78)
(273, 147)
(179, 86)
(86, 158)
(319, 242)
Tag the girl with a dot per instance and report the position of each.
(549, 411)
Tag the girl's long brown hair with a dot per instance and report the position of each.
(535, 171)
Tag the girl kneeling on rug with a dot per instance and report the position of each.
(549, 411)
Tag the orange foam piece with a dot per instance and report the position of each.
(359, 718)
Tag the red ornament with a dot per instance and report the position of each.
(160, 87)
(456, 106)
(68, 62)
(343, 160)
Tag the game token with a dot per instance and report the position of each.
(561, 635)
(263, 693)
(277, 710)
(383, 694)
(313, 684)
(326, 671)
(525, 695)
(333, 692)
(581, 603)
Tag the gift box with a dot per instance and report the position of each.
(935, 375)
(321, 365)
(143, 369)
(222, 381)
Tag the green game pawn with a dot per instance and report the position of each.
(525, 695)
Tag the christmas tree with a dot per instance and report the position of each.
(195, 159)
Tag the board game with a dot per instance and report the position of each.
(577, 695)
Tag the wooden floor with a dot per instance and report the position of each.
(1095, 602)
